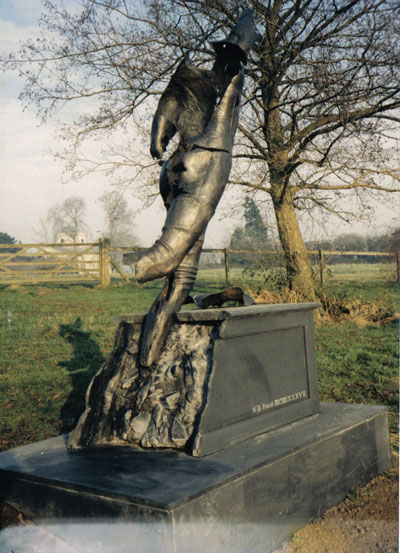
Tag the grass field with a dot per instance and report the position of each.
(54, 338)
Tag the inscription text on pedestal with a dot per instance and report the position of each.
(260, 407)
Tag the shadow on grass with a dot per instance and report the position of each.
(86, 361)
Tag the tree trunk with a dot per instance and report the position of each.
(298, 264)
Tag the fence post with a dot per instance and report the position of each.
(104, 262)
(398, 264)
(321, 266)
(226, 260)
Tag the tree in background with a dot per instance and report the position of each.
(254, 224)
(394, 242)
(7, 239)
(320, 108)
(351, 242)
(254, 234)
(389, 241)
(119, 219)
(384, 242)
(68, 218)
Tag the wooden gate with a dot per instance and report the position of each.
(33, 263)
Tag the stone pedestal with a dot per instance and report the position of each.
(246, 454)
(225, 375)
(248, 497)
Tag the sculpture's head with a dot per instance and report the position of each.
(185, 107)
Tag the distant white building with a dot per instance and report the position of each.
(211, 258)
(83, 262)
(64, 238)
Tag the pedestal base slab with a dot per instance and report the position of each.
(248, 497)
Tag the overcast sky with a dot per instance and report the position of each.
(31, 181)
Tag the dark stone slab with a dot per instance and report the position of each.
(253, 494)
(264, 374)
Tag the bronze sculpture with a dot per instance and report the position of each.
(152, 387)
(193, 179)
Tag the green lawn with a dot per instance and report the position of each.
(54, 338)
(359, 365)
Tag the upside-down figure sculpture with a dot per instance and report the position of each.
(193, 179)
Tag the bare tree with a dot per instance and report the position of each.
(68, 218)
(320, 113)
(119, 219)
(43, 231)
(351, 242)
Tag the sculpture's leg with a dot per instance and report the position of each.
(187, 219)
(159, 319)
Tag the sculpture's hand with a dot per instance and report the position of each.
(162, 130)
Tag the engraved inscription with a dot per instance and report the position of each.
(260, 407)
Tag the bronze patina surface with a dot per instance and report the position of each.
(193, 179)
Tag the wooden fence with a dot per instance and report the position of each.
(78, 262)
(324, 258)
(35, 263)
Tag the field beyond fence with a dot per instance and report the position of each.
(99, 262)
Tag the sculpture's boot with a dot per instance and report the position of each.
(240, 39)
(160, 317)
(186, 220)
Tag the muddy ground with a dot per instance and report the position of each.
(365, 522)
